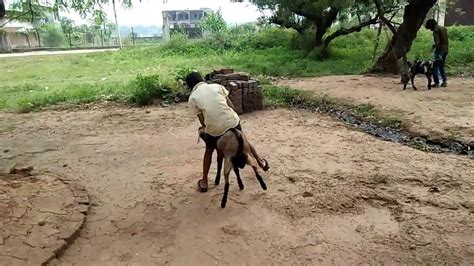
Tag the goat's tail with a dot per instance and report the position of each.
(240, 159)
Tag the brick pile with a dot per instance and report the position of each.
(244, 92)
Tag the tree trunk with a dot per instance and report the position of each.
(413, 18)
(2, 9)
(27, 38)
(320, 31)
(38, 37)
(117, 25)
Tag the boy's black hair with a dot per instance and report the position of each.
(193, 78)
(431, 24)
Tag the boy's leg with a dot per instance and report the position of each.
(436, 67)
(442, 71)
(206, 166)
(436, 73)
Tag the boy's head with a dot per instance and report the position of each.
(193, 79)
(431, 24)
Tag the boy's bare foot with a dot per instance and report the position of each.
(201, 188)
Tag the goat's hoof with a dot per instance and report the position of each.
(264, 187)
(241, 187)
(223, 204)
(217, 182)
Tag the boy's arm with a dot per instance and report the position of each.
(195, 109)
(436, 39)
(201, 119)
(230, 104)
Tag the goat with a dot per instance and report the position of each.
(418, 67)
(233, 150)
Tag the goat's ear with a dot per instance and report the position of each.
(207, 77)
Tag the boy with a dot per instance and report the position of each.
(216, 115)
(441, 47)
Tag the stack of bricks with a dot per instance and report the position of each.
(244, 93)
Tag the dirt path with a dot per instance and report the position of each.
(446, 112)
(335, 196)
(82, 51)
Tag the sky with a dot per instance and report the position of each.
(149, 12)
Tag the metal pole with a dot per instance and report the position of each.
(133, 37)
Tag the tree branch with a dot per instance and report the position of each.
(381, 13)
(346, 31)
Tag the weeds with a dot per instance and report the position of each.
(286, 97)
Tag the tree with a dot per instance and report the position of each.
(67, 26)
(319, 15)
(415, 12)
(2, 9)
(53, 36)
(213, 22)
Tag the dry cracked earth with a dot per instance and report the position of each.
(336, 195)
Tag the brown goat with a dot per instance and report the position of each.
(233, 150)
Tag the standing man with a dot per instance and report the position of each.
(216, 115)
(440, 47)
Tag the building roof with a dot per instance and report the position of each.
(15, 26)
(187, 10)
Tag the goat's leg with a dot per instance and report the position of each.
(428, 76)
(251, 161)
(413, 82)
(239, 179)
(227, 169)
(220, 160)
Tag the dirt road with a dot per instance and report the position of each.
(83, 51)
(336, 196)
(443, 112)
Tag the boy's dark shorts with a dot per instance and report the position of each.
(211, 141)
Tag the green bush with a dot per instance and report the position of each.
(151, 87)
(53, 35)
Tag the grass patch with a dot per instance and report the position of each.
(29, 83)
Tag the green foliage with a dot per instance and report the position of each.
(147, 88)
(265, 52)
(152, 87)
(52, 35)
(214, 23)
(182, 72)
(178, 44)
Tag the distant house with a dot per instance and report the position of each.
(15, 34)
(187, 20)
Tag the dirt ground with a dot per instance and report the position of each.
(40, 214)
(442, 112)
(336, 196)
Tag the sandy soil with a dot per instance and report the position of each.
(336, 196)
(445, 112)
